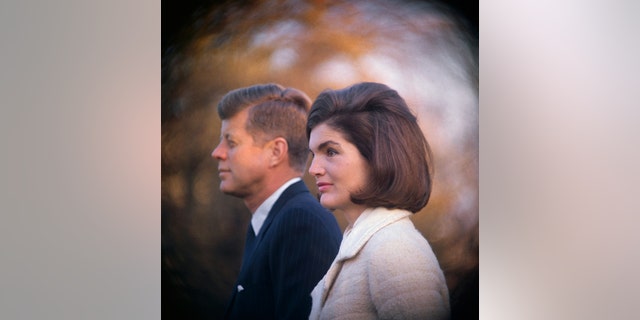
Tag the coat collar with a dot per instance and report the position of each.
(368, 223)
(287, 194)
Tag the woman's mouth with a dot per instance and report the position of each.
(323, 186)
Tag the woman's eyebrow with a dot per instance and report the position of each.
(325, 144)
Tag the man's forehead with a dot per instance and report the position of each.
(230, 130)
(236, 130)
(233, 124)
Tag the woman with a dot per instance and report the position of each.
(372, 163)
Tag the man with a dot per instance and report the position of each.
(291, 240)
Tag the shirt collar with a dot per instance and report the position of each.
(258, 218)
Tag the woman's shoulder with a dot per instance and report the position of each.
(402, 230)
(400, 240)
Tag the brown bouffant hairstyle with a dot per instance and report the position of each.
(375, 119)
(274, 111)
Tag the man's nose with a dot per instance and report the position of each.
(218, 153)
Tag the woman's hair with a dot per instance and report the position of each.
(274, 111)
(379, 123)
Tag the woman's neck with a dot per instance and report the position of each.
(352, 213)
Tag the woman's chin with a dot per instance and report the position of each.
(326, 202)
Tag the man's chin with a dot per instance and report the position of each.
(226, 189)
(231, 192)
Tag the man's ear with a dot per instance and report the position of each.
(279, 149)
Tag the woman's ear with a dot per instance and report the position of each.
(279, 151)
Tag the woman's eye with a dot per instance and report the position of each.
(331, 152)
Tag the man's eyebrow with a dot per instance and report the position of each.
(226, 136)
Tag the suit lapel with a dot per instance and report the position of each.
(288, 193)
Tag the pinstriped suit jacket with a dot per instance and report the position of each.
(292, 252)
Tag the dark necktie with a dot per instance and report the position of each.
(249, 245)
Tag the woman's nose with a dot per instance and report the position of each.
(314, 168)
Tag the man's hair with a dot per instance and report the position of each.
(379, 123)
(274, 111)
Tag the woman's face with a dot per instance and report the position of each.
(338, 167)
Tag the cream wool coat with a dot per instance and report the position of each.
(385, 269)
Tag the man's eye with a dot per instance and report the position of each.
(331, 152)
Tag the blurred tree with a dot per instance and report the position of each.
(425, 50)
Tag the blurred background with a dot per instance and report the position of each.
(426, 50)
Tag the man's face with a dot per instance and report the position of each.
(242, 163)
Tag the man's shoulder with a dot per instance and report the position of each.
(297, 207)
(298, 195)
(303, 208)
(304, 203)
